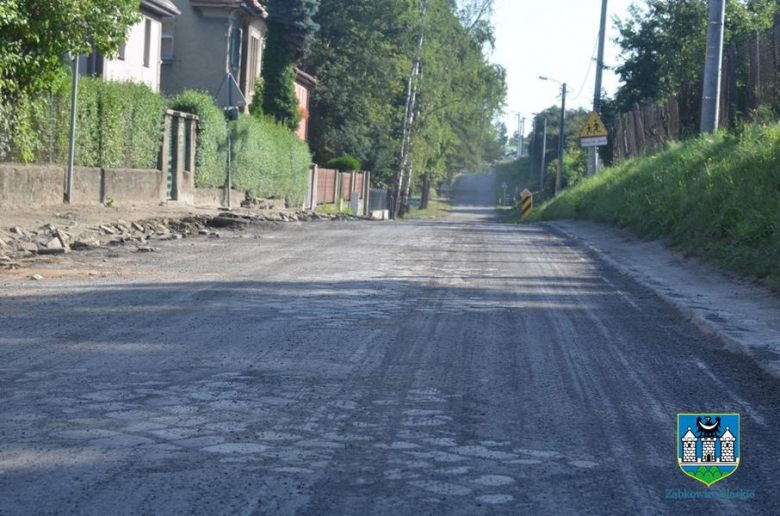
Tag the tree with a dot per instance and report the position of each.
(363, 58)
(663, 43)
(575, 158)
(296, 17)
(279, 99)
(291, 32)
(35, 36)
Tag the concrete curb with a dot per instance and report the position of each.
(730, 343)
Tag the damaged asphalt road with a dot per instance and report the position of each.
(453, 367)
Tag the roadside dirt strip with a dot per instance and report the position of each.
(449, 367)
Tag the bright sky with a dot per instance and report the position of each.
(557, 39)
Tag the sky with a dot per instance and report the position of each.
(557, 39)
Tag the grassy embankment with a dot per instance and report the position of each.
(714, 197)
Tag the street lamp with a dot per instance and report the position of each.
(562, 136)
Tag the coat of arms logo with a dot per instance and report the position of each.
(708, 445)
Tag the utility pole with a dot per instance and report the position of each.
(522, 137)
(520, 119)
(593, 155)
(710, 104)
(561, 140)
(411, 94)
(532, 144)
(72, 150)
(544, 156)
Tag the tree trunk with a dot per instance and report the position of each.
(426, 188)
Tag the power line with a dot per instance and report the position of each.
(590, 67)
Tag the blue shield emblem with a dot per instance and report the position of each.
(708, 445)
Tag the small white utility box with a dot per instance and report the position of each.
(354, 203)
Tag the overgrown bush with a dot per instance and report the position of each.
(211, 153)
(345, 163)
(118, 125)
(269, 160)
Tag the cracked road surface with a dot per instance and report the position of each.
(454, 367)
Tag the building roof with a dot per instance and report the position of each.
(253, 6)
(689, 436)
(161, 7)
(304, 78)
(727, 435)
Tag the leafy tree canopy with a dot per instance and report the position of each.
(296, 17)
(664, 42)
(362, 60)
(36, 35)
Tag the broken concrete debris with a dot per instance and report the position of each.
(52, 240)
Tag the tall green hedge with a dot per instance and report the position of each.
(211, 153)
(118, 125)
(121, 125)
(269, 160)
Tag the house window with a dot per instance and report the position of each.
(122, 52)
(253, 62)
(166, 50)
(236, 35)
(148, 43)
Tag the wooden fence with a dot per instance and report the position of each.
(329, 182)
(750, 80)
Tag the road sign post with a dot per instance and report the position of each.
(230, 99)
(594, 133)
(526, 203)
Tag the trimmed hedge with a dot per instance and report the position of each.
(121, 125)
(345, 163)
(269, 160)
(211, 154)
(118, 125)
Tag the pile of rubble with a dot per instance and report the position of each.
(52, 240)
(263, 204)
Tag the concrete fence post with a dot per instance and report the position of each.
(367, 192)
(193, 145)
(315, 186)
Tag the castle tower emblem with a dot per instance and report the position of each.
(708, 445)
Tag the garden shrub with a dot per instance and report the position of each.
(345, 163)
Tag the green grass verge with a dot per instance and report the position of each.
(438, 207)
(333, 209)
(716, 197)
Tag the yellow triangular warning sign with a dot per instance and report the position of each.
(594, 127)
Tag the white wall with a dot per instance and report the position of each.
(132, 67)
